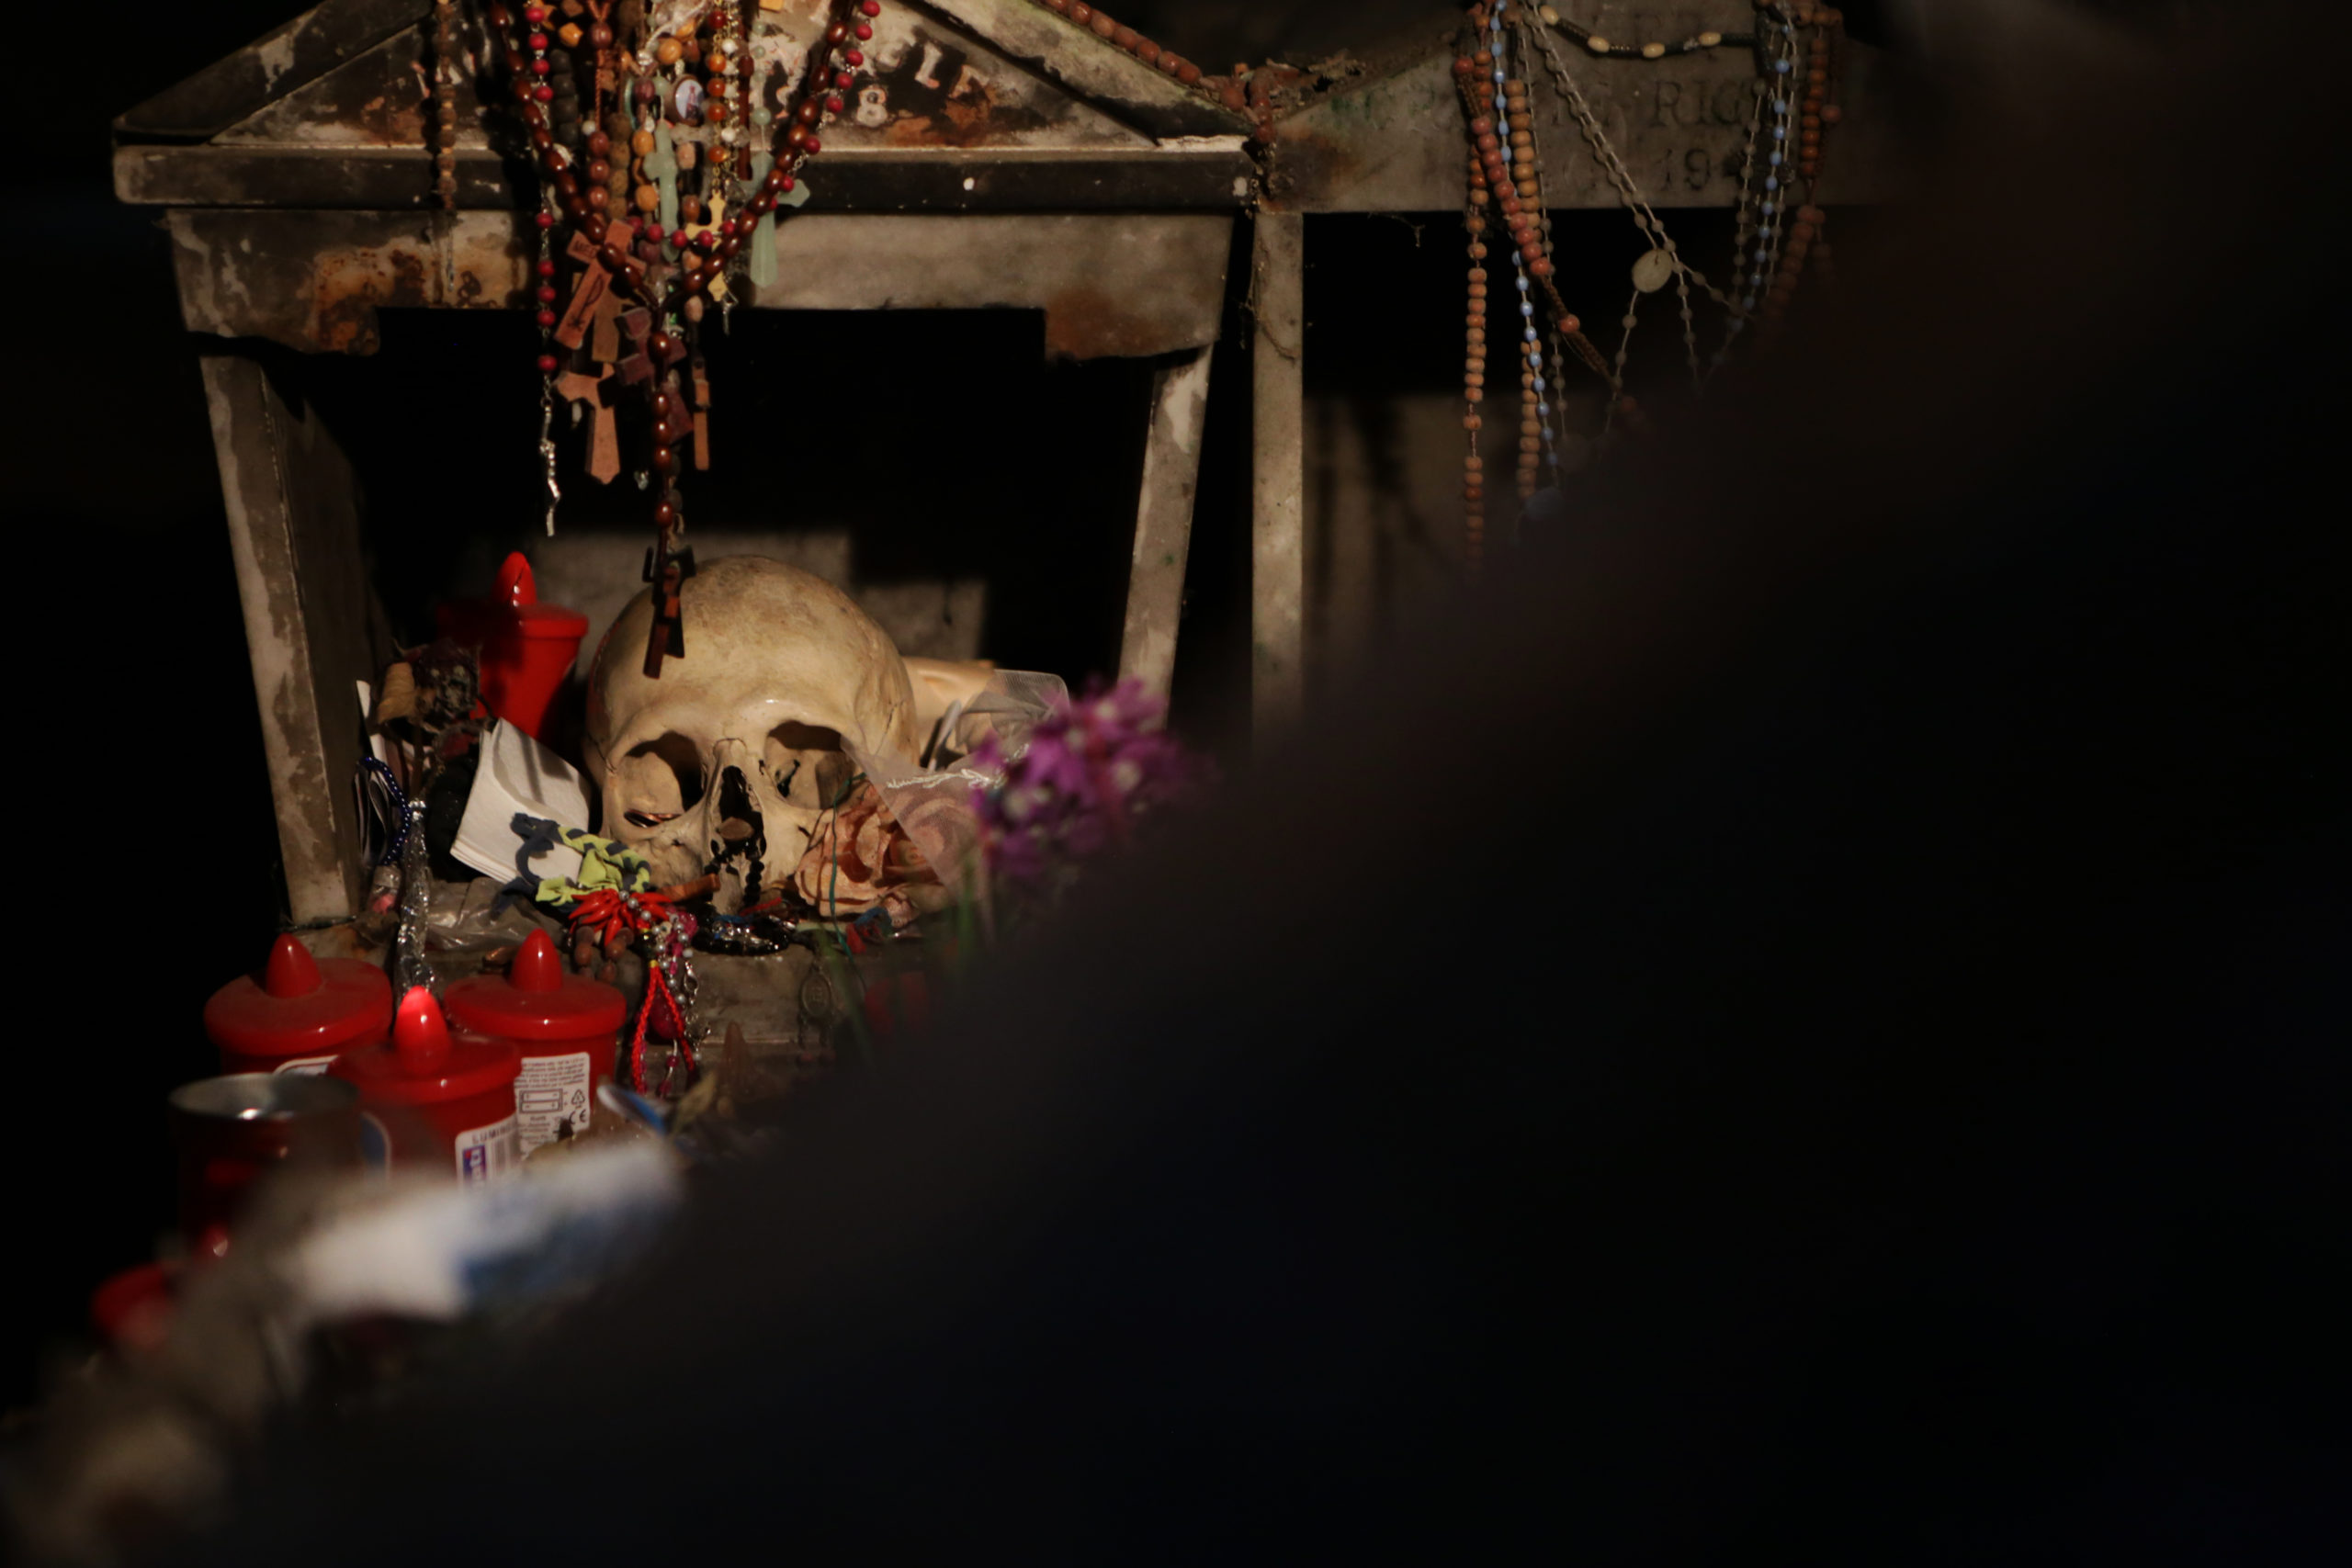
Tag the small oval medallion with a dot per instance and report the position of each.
(1651, 272)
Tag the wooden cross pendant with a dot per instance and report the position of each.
(593, 289)
(668, 572)
(603, 439)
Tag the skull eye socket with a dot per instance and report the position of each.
(807, 764)
(660, 780)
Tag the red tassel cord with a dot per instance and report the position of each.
(652, 923)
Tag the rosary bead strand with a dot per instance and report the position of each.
(1476, 106)
(549, 363)
(817, 104)
(1814, 112)
(1548, 371)
(1774, 232)
(1125, 38)
(1617, 371)
(445, 104)
(1473, 369)
(536, 71)
(1695, 44)
(740, 132)
(1747, 216)
(676, 298)
(1774, 200)
(1515, 141)
(1645, 217)
(1540, 386)
(1831, 115)
(1779, 185)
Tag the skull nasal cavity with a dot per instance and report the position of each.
(739, 814)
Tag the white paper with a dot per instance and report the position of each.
(423, 1248)
(518, 774)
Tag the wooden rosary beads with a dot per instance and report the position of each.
(1120, 36)
(1696, 44)
(1491, 102)
(1510, 102)
(637, 272)
(1474, 367)
(1784, 148)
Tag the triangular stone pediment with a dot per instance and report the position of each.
(965, 74)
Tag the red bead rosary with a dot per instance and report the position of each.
(626, 284)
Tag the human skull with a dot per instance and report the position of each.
(726, 763)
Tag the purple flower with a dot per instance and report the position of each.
(1090, 770)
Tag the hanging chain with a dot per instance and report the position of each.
(1644, 216)
(1745, 217)
(1617, 375)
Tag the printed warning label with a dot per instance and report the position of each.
(485, 1154)
(552, 1098)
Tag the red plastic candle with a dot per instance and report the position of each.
(298, 1013)
(566, 1026)
(527, 648)
(440, 1100)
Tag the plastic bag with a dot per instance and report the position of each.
(932, 803)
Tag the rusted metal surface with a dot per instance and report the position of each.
(1131, 284)
(1392, 141)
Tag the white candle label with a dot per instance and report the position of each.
(553, 1092)
(485, 1154)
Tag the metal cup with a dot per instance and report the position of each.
(232, 1130)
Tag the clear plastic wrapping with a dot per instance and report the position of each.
(411, 967)
(932, 804)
